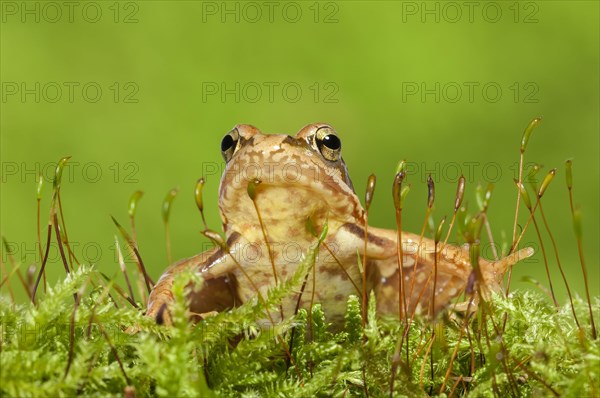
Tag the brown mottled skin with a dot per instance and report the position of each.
(301, 179)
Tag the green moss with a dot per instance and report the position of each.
(540, 351)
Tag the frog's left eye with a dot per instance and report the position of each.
(230, 144)
(329, 144)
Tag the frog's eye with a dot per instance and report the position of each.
(230, 144)
(329, 144)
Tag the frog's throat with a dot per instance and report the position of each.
(286, 210)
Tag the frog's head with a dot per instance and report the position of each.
(293, 179)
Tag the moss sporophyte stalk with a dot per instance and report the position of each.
(360, 311)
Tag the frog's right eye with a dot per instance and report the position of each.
(328, 143)
(230, 144)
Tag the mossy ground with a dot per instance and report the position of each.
(540, 353)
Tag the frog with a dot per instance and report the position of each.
(276, 195)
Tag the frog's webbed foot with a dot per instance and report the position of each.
(218, 291)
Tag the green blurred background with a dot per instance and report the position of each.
(141, 93)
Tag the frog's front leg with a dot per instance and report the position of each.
(218, 292)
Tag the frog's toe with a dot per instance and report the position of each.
(159, 311)
(132, 330)
(204, 315)
(163, 317)
(468, 305)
